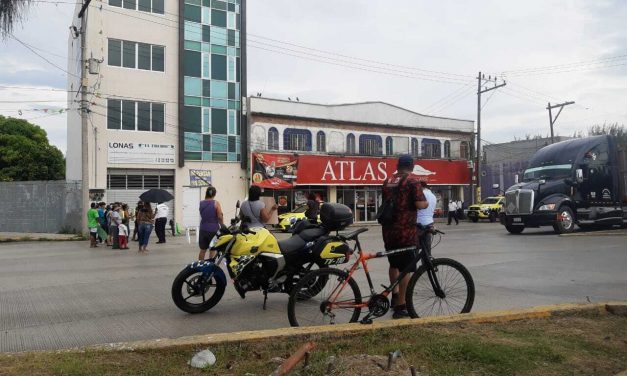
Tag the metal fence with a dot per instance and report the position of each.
(40, 206)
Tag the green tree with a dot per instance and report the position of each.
(11, 12)
(26, 154)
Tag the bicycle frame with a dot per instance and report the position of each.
(363, 257)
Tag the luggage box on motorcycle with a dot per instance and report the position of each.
(335, 217)
(330, 250)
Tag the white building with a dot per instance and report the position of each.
(164, 101)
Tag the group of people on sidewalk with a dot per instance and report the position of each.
(110, 224)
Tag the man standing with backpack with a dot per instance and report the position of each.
(402, 197)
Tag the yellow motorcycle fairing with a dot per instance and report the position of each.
(253, 244)
(222, 240)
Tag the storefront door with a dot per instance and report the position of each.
(367, 200)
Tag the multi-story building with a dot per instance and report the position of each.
(502, 162)
(342, 153)
(165, 81)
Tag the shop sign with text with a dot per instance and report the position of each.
(140, 153)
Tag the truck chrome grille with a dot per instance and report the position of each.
(519, 201)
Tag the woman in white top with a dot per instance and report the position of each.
(253, 212)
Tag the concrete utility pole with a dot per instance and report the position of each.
(481, 80)
(551, 120)
(84, 129)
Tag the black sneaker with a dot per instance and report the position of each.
(400, 314)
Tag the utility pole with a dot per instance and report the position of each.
(481, 81)
(84, 129)
(551, 120)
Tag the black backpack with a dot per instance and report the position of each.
(386, 213)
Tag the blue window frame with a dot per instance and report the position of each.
(370, 144)
(431, 148)
(389, 145)
(296, 139)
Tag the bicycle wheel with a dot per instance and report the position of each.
(454, 279)
(335, 302)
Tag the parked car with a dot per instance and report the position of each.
(489, 208)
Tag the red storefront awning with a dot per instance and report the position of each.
(335, 170)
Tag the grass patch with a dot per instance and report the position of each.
(595, 345)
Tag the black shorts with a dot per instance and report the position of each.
(401, 260)
(204, 238)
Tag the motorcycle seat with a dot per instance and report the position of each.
(291, 244)
(312, 234)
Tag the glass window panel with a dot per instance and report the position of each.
(205, 47)
(193, 2)
(206, 156)
(206, 3)
(128, 115)
(193, 141)
(144, 57)
(115, 3)
(218, 103)
(158, 58)
(166, 182)
(135, 181)
(237, 95)
(218, 121)
(191, 119)
(206, 66)
(232, 122)
(218, 49)
(219, 143)
(218, 69)
(206, 120)
(217, 4)
(192, 101)
(193, 31)
(114, 115)
(206, 33)
(230, 19)
(191, 156)
(191, 63)
(115, 52)
(191, 45)
(231, 144)
(237, 38)
(206, 102)
(232, 157)
(144, 5)
(231, 90)
(231, 7)
(237, 69)
(206, 88)
(158, 6)
(231, 68)
(231, 37)
(130, 4)
(231, 51)
(143, 116)
(206, 16)
(128, 54)
(218, 35)
(158, 117)
(218, 89)
(206, 142)
(117, 182)
(219, 157)
(232, 105)
(193, 86)
(192, 13)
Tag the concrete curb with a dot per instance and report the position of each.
(345, 329)
(618, 232)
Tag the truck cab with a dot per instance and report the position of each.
(574, 182)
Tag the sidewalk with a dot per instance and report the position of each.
(35, 236)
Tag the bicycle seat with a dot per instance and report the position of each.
(352, 235)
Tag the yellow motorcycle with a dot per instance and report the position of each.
(256, 261)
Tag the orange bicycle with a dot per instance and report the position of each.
(440, 286)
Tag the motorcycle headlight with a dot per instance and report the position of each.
(547, 207)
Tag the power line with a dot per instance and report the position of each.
(44, 58)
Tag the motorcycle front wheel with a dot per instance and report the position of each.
(193, 292)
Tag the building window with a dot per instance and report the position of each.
(321, 142)
(464, 151)
(414, 147)
(370, 145)
(297, 139)
(389, 145)
(127, 54)
(431, 148)
(273, 139)
(139, 179)
(447, 149)
(135, 116)
(150, 6)
(350, 144)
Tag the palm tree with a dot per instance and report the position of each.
(11, 12)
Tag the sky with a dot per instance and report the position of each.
(420, 55)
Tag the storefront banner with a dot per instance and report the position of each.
(330, 170)
(140, 153)
(274, 171)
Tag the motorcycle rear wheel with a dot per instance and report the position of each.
(193, 293)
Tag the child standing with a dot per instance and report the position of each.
(123, 236)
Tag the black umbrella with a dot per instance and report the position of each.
(156, 195)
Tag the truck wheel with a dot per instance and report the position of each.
(514, 229)
(474, 219)
(566, 224)
(492, 217)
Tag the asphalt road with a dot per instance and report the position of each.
(63, 294)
